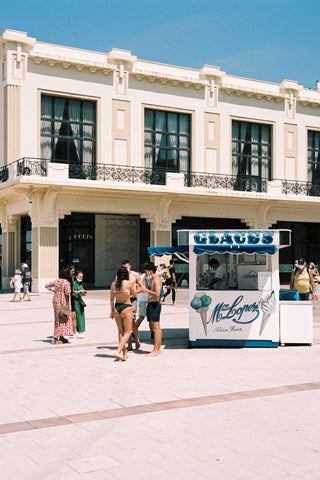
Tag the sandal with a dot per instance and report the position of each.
(54, 341)
(64, 340)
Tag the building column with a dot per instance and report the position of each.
(11, 123)
(45, 238)
(10, 249)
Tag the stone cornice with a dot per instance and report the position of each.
(67, 62)
(207, 76)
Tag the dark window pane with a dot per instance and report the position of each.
(166, 135)
(62, 120)
(161, 121)
(148, 119)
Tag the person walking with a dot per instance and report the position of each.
(27, 280)
(121, 292)
(62, 296)
(16, 281)
(171, 283)
(302, 280)
(79, 304)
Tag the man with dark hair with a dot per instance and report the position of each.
(154, 307)
(171, 283)
(220, 281)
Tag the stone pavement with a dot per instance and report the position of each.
(71, 412)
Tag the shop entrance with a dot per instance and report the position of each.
(76, 243)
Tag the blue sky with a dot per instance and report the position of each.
(263, 39)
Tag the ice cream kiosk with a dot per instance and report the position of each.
(246, 311)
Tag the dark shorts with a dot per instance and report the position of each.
(153, 312)
(122, 306)
(304, 296)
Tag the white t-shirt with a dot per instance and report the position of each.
(221, 273)
(143, 296)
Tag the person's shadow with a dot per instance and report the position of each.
(107, 355)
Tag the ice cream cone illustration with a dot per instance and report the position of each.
(200, 303)
(268, 306)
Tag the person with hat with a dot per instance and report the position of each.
(302, 280)
(27, 280)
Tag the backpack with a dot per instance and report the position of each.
(166, 274)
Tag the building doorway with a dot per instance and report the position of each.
(76, 243)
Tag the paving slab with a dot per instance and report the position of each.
(74, 412)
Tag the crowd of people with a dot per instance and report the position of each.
(68, 304)
(132, 294)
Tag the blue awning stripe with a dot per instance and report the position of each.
(168, 250)
(236, 249)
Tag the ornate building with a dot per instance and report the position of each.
(104, 154)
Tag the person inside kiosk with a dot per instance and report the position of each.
(220, 281)
(229, 271)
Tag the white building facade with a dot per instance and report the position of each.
(103, 154)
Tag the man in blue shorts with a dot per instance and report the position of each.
(154, 307)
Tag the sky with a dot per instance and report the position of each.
(268, 40)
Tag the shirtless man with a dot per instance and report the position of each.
(134, 278)
(154, 307)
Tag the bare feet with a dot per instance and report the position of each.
(152, 354)
(129, 347)
(120, 357)
(138, 344)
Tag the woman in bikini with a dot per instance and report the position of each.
(121, 309)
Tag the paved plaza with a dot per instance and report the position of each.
(73, 412)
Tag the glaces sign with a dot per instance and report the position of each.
(234, 238)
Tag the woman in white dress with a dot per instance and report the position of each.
(16, 280)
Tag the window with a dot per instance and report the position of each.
(167, 140)
(68, 130)
(314, 157)
(251, 154)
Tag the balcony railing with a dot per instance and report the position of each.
(32, 166)
(226, 182)
(139, 175)
(117, 173)
(4, 174)
(300, 188)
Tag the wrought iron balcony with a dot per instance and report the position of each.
(32, 166)
(4, 174)
(226, 182)
(139, 175)
(117, 173)
(301, 188)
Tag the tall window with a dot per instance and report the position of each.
(313, 157)
(167, 142)
(251, 151)
(68, 130)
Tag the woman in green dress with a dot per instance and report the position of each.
(78, 291)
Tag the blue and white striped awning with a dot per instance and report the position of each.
(211, 249)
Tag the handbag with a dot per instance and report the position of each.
(82, 302)
(11, 284)
(63, 312)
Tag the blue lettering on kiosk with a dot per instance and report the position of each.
(267, 238)
(238, 238)
(213, 239)
(200, 237)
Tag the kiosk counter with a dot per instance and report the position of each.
(246, 311)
